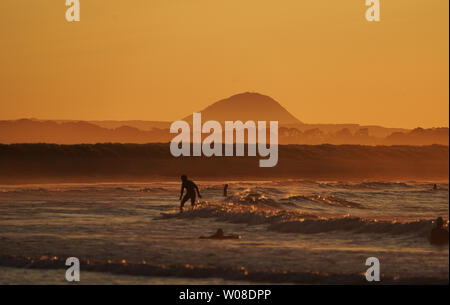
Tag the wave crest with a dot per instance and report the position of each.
(290, 221)
(330, 200)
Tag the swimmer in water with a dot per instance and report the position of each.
(435, 187)
(191, 191)
(439, 235)
(220, 235)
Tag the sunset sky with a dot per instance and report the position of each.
(164, 59)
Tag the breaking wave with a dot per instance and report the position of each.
(295, 221)
(153, 190)
(355, 225)
(256, 196)
(88, 189)
(329, 200)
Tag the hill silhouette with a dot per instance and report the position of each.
(79, 132)
(75, 132)
(247, 106)
(244, 107)
(419, 136)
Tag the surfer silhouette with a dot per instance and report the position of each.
(191, 191)
(225, 190)
(439, 235)
(220, 235)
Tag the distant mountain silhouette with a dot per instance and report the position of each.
(244, 107)
(78, 132)
(419, 136)
(142, 125)
(247, 106)
(75, 132)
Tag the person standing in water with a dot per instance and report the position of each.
(220, 235)
(191, 191)
(225, 190)
(439, 235)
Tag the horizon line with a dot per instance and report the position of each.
(169, 122)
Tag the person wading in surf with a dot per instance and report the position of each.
(220, 235)
(439, 235)
(191, 189)
(225, 190)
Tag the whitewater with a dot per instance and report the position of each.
(293, 232)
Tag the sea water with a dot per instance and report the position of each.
(304, 232)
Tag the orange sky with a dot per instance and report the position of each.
(164, 59)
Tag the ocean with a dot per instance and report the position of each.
(292, 232)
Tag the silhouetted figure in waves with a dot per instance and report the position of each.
(439, 235)
(435, 187)
(191, 189)
(220, 235)
(225, 190)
